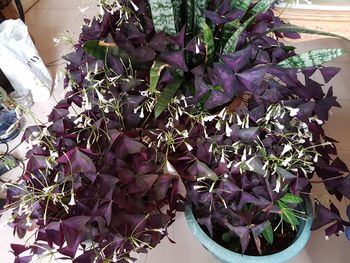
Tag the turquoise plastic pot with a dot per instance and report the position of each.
(226, 256)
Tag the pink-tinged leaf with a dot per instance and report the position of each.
(252, 78)
(175, 59)
(323, 216)
(206, 221)
(237, 60)
(243, 233)
(58, 114)
(26, 259)
(77, 162)
(86, 257)
(19, 249)
(125, 175)
(329, 72)
(143, 183)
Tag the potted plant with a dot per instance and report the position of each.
(182, 105)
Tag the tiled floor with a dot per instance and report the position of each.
(50, 18)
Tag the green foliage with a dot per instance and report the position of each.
(155, 74)
(312, 58)
(299, 29)
(268, 234)
(226, 237)
(291, 199)
(288, 214)
(241, 4)
(259, 8)
(166, 96)
(163, 16)
(209, 42)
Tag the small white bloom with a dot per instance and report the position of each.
(222, 113)
(228, 130)
(292, 111)
(287, 148)
(189, 147)
(72, 200)
(211, 148)
(136, 8)
(209, 118)
(142, 115)
(218, 125)
(222, 159)
(278, 185)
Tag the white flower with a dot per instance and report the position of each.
(222, 159)
(136, 8)
(222, 113)
(209, 118)
(189, 147)
(278, 185)
(292, 112)
(218, 125)
(72, 200)
(228, 130)
(211, 148)
(287, 148)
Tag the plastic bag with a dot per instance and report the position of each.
(20, 61)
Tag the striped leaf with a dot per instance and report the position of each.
(241, 4)
(312, 58)
(195, 15)
(177, 7)
(156, 69)
(163, 16)
(208, 38)
(299, 29)
(165, 98)
(199, 14)
(190, 15)
(260, 8)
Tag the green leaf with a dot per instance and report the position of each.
(163, 16)
(155, 72)
(177, 7)
(241, 4)
(165, 98)
(199, 14)
(288, 215)
(299, 29)
(312, 58)
(259, 8)
(208, 38)
(226, 237)
(93, 48)
(99, 50)
(291, 199)
(195, 15)
(268, 234)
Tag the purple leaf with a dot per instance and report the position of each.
(252, 78)
(77, 162)
(175, 59)
(206, 221)
(323, 216)
(236, 61)
(328, 73)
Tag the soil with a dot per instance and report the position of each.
(281, 240)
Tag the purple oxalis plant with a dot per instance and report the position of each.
(150, 123)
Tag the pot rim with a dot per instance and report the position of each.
(298, 244)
